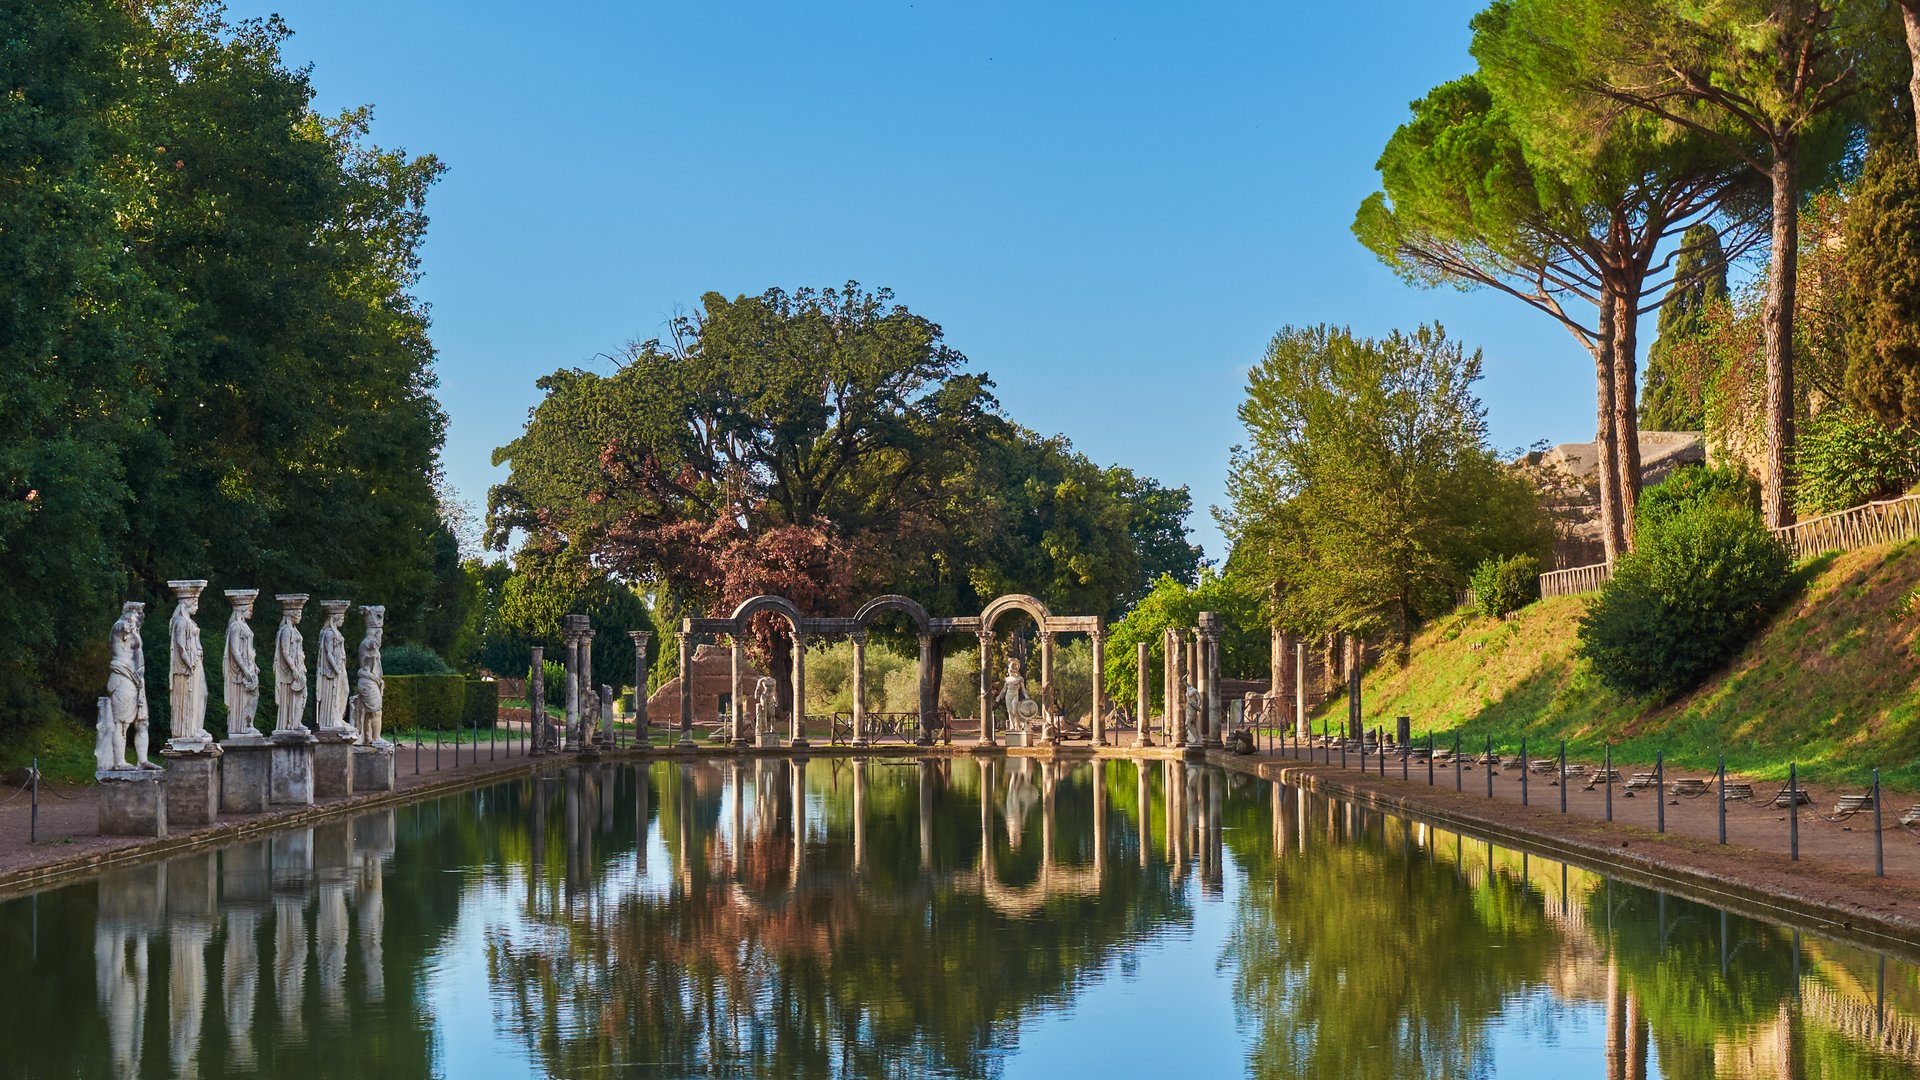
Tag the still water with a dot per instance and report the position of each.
(787, 918)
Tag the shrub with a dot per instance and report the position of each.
(1693, 484)
(1696, 588)
(1504, 585)
(482, 704)
(1847, 458)
(412, 660)
(429, 702)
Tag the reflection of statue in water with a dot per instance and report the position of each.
(1022, 710)
(123, 712)
(766, 705)
(1023, 794)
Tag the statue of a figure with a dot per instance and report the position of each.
(766, 705)
(1021, 709)
(124, 710)
(330, 690)
(606, 714)
(370, 684)
(1250, 710)
(187, 690)
(290, 666)
(1196, 704)
(537, 700)
(242, 667)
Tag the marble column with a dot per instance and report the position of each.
(1143, 698)
(536, 701)
(1214, 721)
(1049, 718)
(929, 693)
(570, 633)
(799, 690)
(590, 731)
(859, 688)
(641, 665)
(986, 688)
(686, 688)
(1301, 729)
(1099, 644)
(736, 690)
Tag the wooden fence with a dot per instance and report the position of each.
(1861, 526)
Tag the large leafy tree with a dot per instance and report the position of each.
(1367, 488)
(1775, 84)
(1159, 529)
(1673, 396)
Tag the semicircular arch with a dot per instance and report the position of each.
(906, 605)
(1014, 602)
(754, 605)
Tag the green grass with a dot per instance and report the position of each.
(64, 748)
(1833, 684)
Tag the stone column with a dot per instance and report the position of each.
(1355, 653)
(1099, 639)
(1301, 730)
(799, 690)
(1143, 700)
(641, 639)
(986, 688)
(1170, 646)
(536, 701)
(1213, 720)
(685, 639)
(859, 688)
(591, 730)
(1051, 724)
(737, 689)
(570, 636)
(929, 693)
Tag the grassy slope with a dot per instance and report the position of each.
(1834, 683)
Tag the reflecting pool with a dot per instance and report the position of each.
(950, 917)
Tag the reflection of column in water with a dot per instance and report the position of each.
(370, 919)
(536, 843)
(642, 813)
(683, 823)
(859, 816)
(605, 792)
(736, 799)
(1216, 828)
(1166, 811)
(569, 827)
(1176, 799)
(1099, 819)
(1143, 798)
(186, 993)
(240, 982)
(1046, 815)
(1279, 820)
(1616, 1024)
(926, 815)
(987, 796)
(330, 925)
(799, 766)
(290, 961)
(1300, 813)
(1636, 1039)
(120, 975)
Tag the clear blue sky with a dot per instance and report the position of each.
(1110, 207)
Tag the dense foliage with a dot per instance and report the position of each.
(1882, 254)
(216, 364)
(1672, 397)
(1847, 458)
(1505, 585)
(1694, 484)
(1173, 604)
(1704, 579)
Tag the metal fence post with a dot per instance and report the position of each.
(1380, 748)
(1723, 799)
(1523, 772)
(1660, 789)
(1429, 759)
(1343, 753)
(1793, 810)
(1606, 772)
(417, 736)
(1486, 766)
(33, 825)
(1456, 762)
(1879, 856)
(1563, 776)
(436, 749)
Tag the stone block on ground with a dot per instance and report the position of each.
(333, 765)
(193, 787)
(373, 768)
(133, 802)
(290, 779)
(244, 768)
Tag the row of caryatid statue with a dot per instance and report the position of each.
(124, 715)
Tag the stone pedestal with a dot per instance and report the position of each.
(290, 777)
(333, 764)
(244, 768)
(373, 767)
(193, 786)
(769, 741)
(1018, 739)
(133, 802)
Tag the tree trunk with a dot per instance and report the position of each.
(1910, 11)
(1354, 661)
(1605, 442)
(780, 665)
(938, 666)
(1626, 419)
(1777, 320)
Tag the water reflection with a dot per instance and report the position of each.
(953, 917)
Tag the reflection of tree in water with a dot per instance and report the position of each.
(1357, 959)
(771, 957)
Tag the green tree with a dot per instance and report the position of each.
(1159, 529)
(1673, 396)
(1882, 257)
(1244, 642)
(1367, 490)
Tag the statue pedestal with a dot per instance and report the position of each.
(243, 774)
(133, 802)
(193, 785)
(333, 763)
(290, 777)
(1017, 739)
(373, 767)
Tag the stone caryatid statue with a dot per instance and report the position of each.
(766, 705)
(370, 685)
(123, 712)
(187, 668)
(332, 684)
(242, 666)
(290, 666)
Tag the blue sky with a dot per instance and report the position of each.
(1109, 207)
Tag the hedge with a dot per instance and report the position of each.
(440, 702)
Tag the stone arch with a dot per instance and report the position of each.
(1011, 602)
(906, 605)
(765, 602)
(741, 616)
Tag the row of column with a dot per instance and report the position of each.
(1190, 684)
(587, 719)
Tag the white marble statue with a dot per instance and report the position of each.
(1021, 709)
(187, 668)
(123, 712)
(290, 666)
(330, 685)
(1196, 704)
(606, 712)
(370, 685)
(243, 667)
(766, 705)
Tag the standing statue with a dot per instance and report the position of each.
(537, 700)
(242, 667)
(330, 691)
(1021, 709)
(370, 684)
(1251, 709)
(290, 666)
(187, 692)
(606, 714)
(766, 705)
(1196, 704)
(124, 710)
